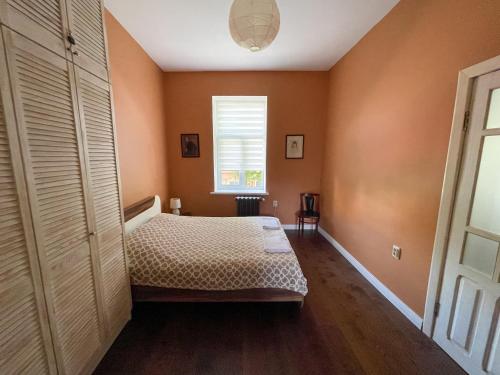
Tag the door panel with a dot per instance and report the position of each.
(465, 313)
(467, 323)
(86, 23)
(40, 20)
(492, 358)
(25, 341)
(94, 96)
(43, 95)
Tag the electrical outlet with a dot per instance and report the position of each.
(275, 204)
(396, 252)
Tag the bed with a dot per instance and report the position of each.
(207, 259)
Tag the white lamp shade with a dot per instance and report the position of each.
(175, 203)
(254, 24)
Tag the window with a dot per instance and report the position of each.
(240, 130)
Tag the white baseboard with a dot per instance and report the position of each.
(386, 292)
(294, 226)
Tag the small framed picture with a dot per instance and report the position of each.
(190, 145)
(294, 146)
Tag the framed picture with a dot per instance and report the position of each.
(294, 146)
(190, 145)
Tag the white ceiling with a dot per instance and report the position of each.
(190, 35)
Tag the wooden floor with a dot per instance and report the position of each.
(345, 327)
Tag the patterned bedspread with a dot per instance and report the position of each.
(209, 253)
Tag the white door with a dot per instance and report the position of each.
(467, 325)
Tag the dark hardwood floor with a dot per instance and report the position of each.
(345, 327)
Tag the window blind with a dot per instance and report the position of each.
(239, 133)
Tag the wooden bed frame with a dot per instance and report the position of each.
(142, 211)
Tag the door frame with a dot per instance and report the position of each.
(466, 78)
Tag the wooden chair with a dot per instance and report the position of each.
(309, 211)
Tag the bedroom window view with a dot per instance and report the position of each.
(239, 133)
(230, 178)
(253, 179)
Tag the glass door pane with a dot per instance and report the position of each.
(480, 254)
(486, 206)
(493, 121)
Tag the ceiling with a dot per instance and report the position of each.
(193, 35)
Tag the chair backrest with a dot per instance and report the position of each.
(309, 202)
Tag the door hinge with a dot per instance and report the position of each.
(436, 309)
(466, 121)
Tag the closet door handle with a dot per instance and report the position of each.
(72, 43)
(71, 39)
(92, 233)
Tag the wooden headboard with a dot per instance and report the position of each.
(141, 212)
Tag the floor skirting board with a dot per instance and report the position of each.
(385, 291)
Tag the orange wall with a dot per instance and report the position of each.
(140, 116)
(296, 105)
(389, 117)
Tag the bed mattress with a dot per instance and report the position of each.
(209, 253)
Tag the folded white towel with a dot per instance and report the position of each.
(270, 227)
(277, 251)
(276, 244)
(270, 223)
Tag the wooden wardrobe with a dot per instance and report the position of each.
(64, 285)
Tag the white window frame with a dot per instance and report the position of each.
(217, 183)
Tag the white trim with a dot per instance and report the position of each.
(462, 102)
(385, 291)
(296, 227)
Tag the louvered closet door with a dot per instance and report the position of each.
(25, 342)
(97, 124)
(87, 27)
(43, 21)
(44, 103)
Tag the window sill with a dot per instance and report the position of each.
(238, 193)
